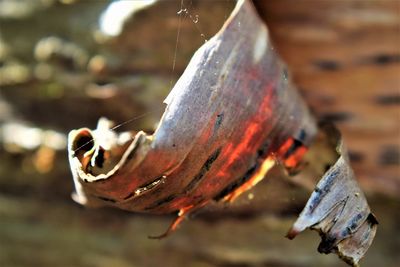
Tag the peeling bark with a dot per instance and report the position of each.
(230, 117)
(338, 209)
(225, 116)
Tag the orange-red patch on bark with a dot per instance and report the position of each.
(267, 164)
(293, 159)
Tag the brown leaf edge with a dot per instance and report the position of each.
(338, 210)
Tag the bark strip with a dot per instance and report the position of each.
(232, 114)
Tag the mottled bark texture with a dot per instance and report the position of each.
(338, 210)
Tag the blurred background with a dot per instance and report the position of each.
(65, 63)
